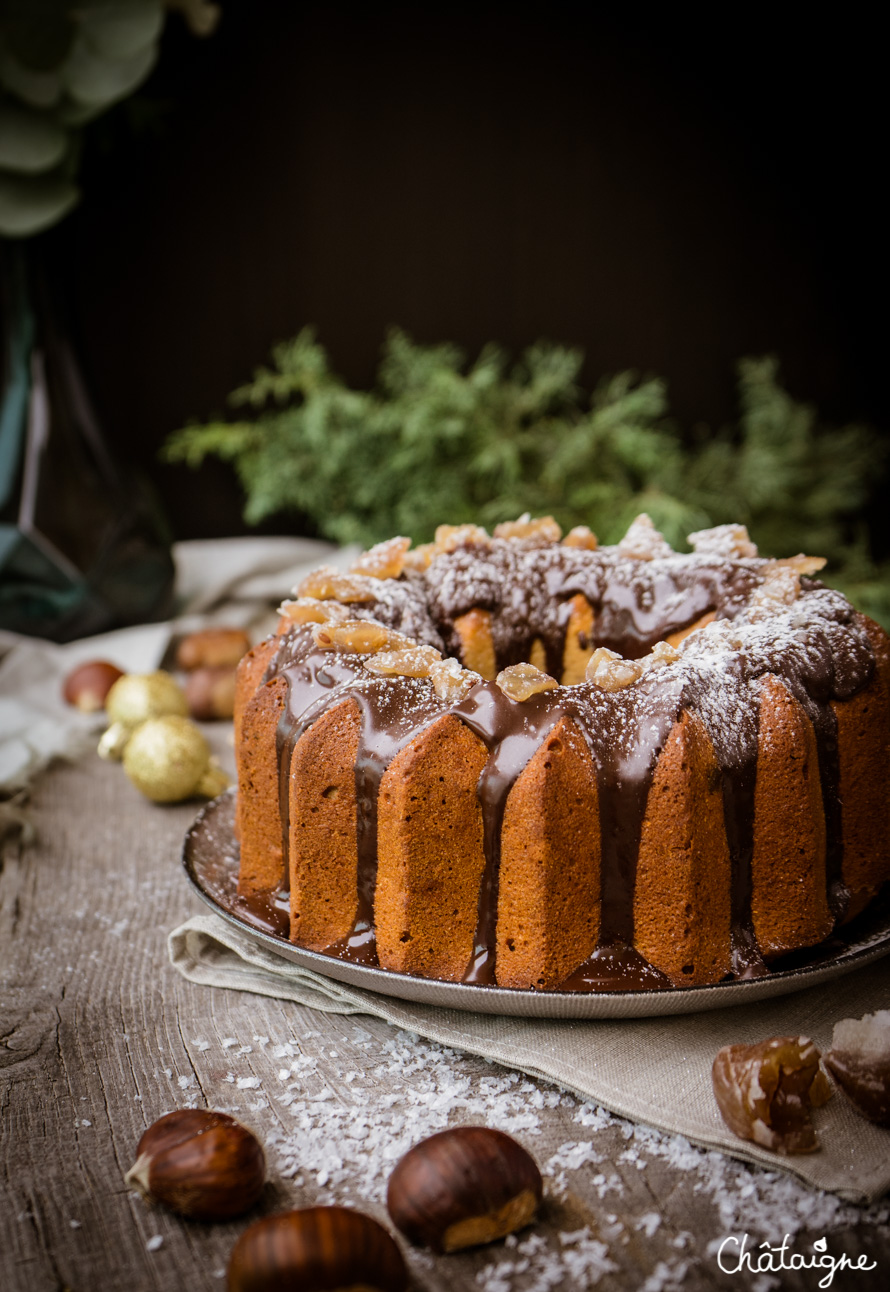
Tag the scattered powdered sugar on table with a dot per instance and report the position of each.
(336, 1135)
(412, 1089)
(581, 1257)
(763, 1203)
(649, 1223)
(665, 1277)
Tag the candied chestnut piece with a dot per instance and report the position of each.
(540, 531)
(359, 637)
(643, 542)
(521, 681)
(410, 661)
(610, 672)
(859, 1059)
(765, 1092)
(451, 682)
(384, 560)
(329, 584)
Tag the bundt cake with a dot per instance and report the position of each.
(531, 761)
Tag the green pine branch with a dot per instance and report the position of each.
(440, 439)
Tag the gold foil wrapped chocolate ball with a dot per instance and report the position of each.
(168, 759)
(134, 699)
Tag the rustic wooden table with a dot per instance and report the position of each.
(99, 1036)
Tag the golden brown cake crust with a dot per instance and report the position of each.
(262, 846)
(477, 647)
(322, 836)
(863, 732)
(788, 903)
(683, 881)
(248, 676)
(579, 641)
(549, 879)
(430, 854)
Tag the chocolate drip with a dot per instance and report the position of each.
(513, 733)
(622, 807)
(359, 946)
(368, 774)
(555, 641)
(390, 721)
(631, 618)
(269, 912)
(738, 817)
(307, 673)
(615, 968)
(527, 589)
(734, 735)
(626, 731)
(837, 892)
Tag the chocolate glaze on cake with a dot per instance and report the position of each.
(814, 643)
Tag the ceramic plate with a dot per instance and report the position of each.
(210, 857)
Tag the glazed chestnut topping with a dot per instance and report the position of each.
(200, 1164)
(765, 1092)
(463, 1187)
(321, 1249)
(859, 1059)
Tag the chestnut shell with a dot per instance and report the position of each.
(201, 1164)
(86, 686)
(462, 1187)
(318, 1249)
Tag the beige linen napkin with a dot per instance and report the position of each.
(656, 1071)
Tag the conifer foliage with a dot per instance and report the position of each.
(439, 439)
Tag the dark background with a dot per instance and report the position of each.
(667, 193)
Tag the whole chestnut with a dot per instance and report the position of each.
(322, 1248)
(212, 648)
(210, 693)
(87, 685)
(201, 1164)
(463, 1187)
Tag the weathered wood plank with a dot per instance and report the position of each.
(99, 1036)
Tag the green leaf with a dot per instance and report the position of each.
(121, 29)
(29, 204)
(39, 89)
(38, 33)
(29, 142)
(93, 80)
